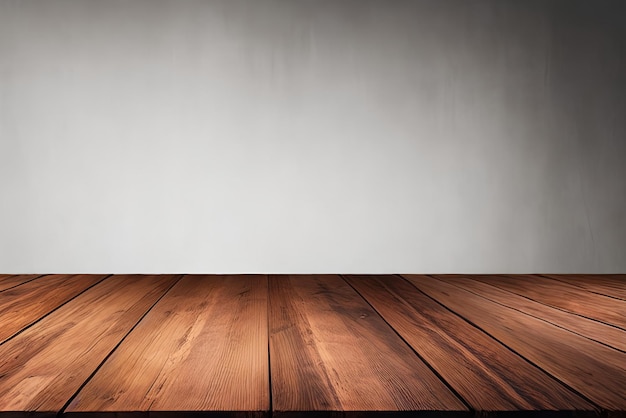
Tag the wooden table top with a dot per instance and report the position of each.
(312, 345)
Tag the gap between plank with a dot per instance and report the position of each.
(452, 282)
(27, 281)
(551, 306)
(55, 309)
(62, 410)
(432, 369)
(580, 287)
(598, 407)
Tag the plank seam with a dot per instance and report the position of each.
(598, 407)
(61, 412)
(54, 310)
(27, 281)
(452, 282)
(552, 306)
(580, 287)
(432, 369)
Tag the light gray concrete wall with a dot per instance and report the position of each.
(312, 136)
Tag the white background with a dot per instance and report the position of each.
(312, 136)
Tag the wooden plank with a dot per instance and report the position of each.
(594, 370)
(9, 281)
(330, 351)
(464, 356)
(597, 331)
(43, 367)
(202, 348)
(608, 285)
(29, 302)
(562, 296)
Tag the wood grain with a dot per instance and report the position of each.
(562, 296)
(464, 356)
(330, 351)
(594, 370)
(7, 281)
(43, 367)
(202, 348)
(608, 285)
(25, 304)
(594, 330)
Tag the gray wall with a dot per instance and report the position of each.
(312, 136)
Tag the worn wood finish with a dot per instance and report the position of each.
(561, 295)
(8, 281)
(43, 367)
(464, 356)
(330, 351)
(25, 304)
(591, 329)
(594, 370)
(202, 348)
(609, 285)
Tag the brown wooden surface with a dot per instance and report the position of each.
(484, 372)
(591, 329)
(562, 295)
(330, 351)
(26, 303)
(613, 285)
(43, 367)
(203, 347)
(7, 281)
(594, 370)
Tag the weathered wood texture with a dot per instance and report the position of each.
(594, 370)
(485, 373)
(202, 348)
(44, 366)
(162, 346)
(597, 331)
(330, 351)
(24, 304)
(563, 296)
(7, 281)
